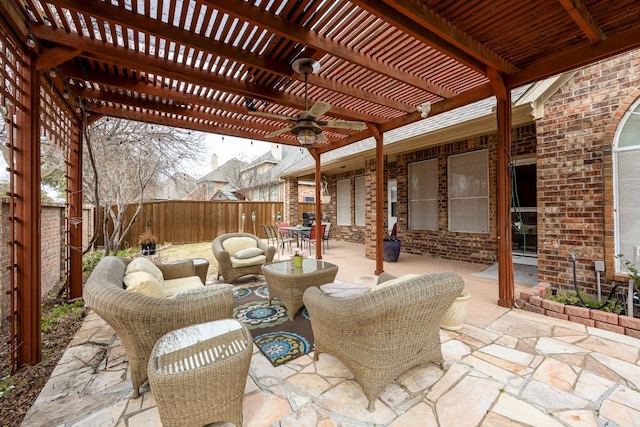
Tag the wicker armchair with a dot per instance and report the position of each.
(140, 320)
(226, 267)
(383, 333)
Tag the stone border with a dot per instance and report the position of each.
(533, 300)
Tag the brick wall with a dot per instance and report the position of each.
(575, 182)
(53, 243)
(474, 247)
(52, 248)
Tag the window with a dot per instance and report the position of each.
(308, 199)
(627, 158)
(423, 195)
(468, 178)
(360, 200)
(343, 189)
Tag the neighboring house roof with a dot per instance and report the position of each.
(175, 187)
(228, 195)
(477, 118)
(221, 174)
(290, 157)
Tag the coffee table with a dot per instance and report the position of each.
(288, 283)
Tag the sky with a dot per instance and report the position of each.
(227, 148)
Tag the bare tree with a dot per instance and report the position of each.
(254, 181)
(125, 158)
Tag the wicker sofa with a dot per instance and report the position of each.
(141, 320)
(226, 247)
(385, 332)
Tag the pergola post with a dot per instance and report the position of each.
(74, 213)
(318, 192)
(28, 253)
(505, 260)
(379, 199)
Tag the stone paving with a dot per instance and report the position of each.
(522, 369)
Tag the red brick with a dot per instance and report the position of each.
(556, 315)
(548, 304)
(539, 290)
(604, 317)
(609, 327)
(573, 310)
(629, 322)
(582, 320)
(632, 332)
(545, 285)
(525, 295)
(534, 309)
(536, 300)
(520, 303)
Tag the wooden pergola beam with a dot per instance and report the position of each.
(583, 18)
(300, 34)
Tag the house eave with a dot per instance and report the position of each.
(522, 114)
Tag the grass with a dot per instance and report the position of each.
(59, 312)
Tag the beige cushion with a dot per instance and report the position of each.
(340, 289)
(201, 291)
(248, 253)
(146, 265)
(245, 262)
(395, 281)
(175, 286)
(235, 244)
(143, 283)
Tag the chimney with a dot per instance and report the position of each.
(276, 151)
(214, 162)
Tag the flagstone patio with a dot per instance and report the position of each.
(508, 368)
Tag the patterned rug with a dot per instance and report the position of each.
(279, 339)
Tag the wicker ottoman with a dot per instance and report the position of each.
(198, 373)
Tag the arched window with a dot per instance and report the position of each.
(627, 183)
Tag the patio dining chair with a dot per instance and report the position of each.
(285, 237)
(325, 238)
(271, 237)
(315, 236)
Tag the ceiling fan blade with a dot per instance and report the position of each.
(278, 132)
(271, 116)
(319, 108)
(343, 124)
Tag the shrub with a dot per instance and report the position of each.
(90, 260)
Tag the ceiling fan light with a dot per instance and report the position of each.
(306, 137)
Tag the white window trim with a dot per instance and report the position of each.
(619, 268)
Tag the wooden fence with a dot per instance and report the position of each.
(180, 222)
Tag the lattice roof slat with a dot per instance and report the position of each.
(380, 60)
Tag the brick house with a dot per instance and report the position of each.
(575, 145)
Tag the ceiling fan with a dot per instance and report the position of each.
(306, 126)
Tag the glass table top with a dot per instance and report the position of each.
(309, 265)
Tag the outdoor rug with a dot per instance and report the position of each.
(278, 338)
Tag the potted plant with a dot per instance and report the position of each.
(147, 241)
(298, 256)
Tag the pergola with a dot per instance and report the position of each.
(204, 65)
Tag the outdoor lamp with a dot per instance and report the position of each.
(31, 42)
(306, 137)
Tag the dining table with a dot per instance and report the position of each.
(299, 231)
